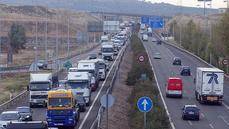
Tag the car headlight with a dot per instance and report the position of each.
(70, 119)
(49, 119)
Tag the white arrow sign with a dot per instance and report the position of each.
(145, 103)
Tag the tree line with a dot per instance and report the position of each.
(210, 42)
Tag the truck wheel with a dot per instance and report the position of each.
(196, 97)
(220, 103)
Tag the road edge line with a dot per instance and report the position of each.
(165, 106)
(86, 116)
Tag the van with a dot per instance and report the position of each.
(174, 87)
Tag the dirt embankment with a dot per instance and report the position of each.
(118, 113)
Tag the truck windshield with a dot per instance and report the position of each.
(59, 102)
(75, 85)
(107, 50)
(45, 86)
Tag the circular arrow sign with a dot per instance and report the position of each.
(144, 104)
(141, 58)
(225, 62)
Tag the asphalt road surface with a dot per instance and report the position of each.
(212, 116)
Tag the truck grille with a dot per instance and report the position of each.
(39, 96)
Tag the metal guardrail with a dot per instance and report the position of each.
(13, 101)
(97, 122)
(17, 99)
(25, 68)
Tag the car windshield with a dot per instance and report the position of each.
(23, 110)
(59, 102)
(107, 49)
(193, 109)
(9, 116)
(39, 86)
(76, 85)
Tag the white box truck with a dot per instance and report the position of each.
(209, 85)
(79, 83)
(108, 51)
(40, 84)
(104, 38)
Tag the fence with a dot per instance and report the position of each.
(97, 122)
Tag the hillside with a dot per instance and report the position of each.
(135, 6)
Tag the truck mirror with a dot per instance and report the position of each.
(194, 80)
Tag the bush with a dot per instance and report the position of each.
(156, 118)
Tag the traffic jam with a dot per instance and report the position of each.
(65, 99)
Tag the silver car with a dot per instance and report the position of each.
(9, 116)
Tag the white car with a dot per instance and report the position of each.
(154, 40)
(9, 116)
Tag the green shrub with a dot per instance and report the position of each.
(156, 118)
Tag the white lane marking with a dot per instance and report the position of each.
(224, 120)
(190, 122)
(211, 126)
(166, 108)
(202, 115)
(86, 116)
(226, 106)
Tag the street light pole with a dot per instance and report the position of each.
(46, 34)
(57, 43)
(180, 24)
(68, 36)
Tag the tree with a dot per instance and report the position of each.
(17, 38)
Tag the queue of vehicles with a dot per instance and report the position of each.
(65, 99)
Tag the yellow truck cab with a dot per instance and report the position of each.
(62, 110)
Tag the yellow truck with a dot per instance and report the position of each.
(62, 110)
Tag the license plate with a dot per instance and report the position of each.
(59, 124)
(191, 113)
(211, 98)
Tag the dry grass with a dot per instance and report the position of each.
(27, 56)
(13, 84)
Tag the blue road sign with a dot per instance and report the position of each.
(144, 104)
(145, 20)
(156, 22)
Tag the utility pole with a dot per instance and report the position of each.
(180, 23)
(68, 36)
(46, 34)
(36, 40)
(57, 43)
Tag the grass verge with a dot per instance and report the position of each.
(156, 118)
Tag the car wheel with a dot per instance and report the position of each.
(183, 117)
(198, 118)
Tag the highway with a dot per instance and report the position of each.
(87, 117)
(212, 116)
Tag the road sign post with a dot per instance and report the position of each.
(107, 101)
(144, 104)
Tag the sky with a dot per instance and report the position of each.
(193, 3)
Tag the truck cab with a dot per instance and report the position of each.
(40, 84)
(79, 83)
(92, 67)
(174, 87)
(107, 51)
(62, 110)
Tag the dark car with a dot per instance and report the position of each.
(185, 71)
(92, 56)
(176, 61)
(190, 112)
(159, 42)
(28, 125)
(42, 64)
(81, 103)
(25, 113)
